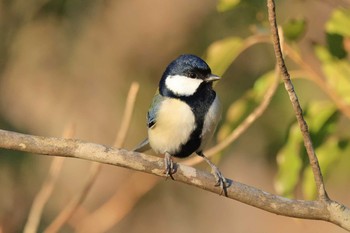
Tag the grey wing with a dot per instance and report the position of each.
(151, 121)
(153, 110)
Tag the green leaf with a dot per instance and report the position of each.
(337, 72)
(322, 117)
(308, 184)
(289, 163)
(225, 5)
(335, 44)
(237, 111)
(339, 22)
(323, 54)
(222, 53)
(263, 83)
(338, 76)
(318, 115)
(242, 107)
(294, 29)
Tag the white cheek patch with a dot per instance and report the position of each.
(182, 85)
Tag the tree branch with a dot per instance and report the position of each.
(73, 148)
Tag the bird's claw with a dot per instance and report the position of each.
(170, 167)
(220, 181)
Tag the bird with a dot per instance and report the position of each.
(184, 114)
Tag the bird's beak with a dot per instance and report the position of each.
(212, 78)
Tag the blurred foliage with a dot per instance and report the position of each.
(322, 116)
(292, 160)
(225, 5)
(222, 53)
(337, 71)
(66, 8)
(289, 163)
(235, 40)
(339, 21)
(242, 107)
(294, 29)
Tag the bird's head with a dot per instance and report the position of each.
(185, 75)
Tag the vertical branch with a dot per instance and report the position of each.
(45, 192)
(322, 194)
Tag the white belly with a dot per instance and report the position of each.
(175, 122)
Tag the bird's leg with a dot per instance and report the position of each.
(220, 179)
(169, 165)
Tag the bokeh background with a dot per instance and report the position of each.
(72, 62)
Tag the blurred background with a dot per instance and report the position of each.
(72, 62)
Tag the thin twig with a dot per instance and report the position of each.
(322, 194)
(46, 190)
(319, 210)
(95, 168)
(128, 111)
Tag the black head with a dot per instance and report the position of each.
(185, 75)
(188, 65)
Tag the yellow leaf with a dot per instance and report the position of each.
(222, 53)
(225, 5)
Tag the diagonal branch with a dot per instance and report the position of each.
(322, 194)
(319, 210)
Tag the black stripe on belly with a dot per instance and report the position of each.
(200, 104)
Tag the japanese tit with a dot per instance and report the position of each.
(184, 113)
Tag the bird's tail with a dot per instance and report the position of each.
(143, 146)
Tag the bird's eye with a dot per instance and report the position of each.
(192, 75)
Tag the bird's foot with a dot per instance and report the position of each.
(220, 180)
(170, 167)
